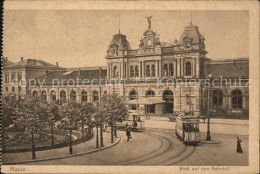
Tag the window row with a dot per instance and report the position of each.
(168, 70)
(236, 99)
(13, 76)
(13, 88)
(72, 96)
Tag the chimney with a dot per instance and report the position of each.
(234, 63)
(21, 58)
(34, 62)
(79, 72)
(47, 72)
(6, 58)
(57, 64)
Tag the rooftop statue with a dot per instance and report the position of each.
(149, 21)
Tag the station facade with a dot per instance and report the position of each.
(157, 78)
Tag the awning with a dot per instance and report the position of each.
(146, 101)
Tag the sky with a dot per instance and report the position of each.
(79, 38)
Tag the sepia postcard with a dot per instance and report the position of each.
(130, 87)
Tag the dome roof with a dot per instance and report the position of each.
(119, 41)
(193, 32)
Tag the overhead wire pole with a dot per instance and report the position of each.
(208, 138)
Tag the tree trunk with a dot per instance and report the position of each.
(3, 139)
(70, 140)
(82, 129)
(112, 132)
(33, 146)
(101, 136)
(97, 143)
(115, 131)
(52, 136)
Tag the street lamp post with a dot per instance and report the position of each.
(208, 138)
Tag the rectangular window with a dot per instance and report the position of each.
(6, 77)
(13, 76)
(13, 89)
(19, 76)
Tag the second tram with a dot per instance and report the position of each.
(187, 129)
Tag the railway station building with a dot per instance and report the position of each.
(157, 78)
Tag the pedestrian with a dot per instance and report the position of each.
(239, 149)
(128, 133)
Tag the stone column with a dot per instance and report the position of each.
(156, 68)
(108, 70)
(121, 69)
(160, 69)
(78, 95)
(181, 68)
(111, 71)
(140, 71)
(198, 67)
(143, 73)
(126, 71)
(48, 95)
(68, 94)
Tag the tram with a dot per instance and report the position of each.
(133, 121)
(187, 129)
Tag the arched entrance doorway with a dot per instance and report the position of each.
(132, 96)
(168, 97)
(150, 108)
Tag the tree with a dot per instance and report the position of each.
(69, 121)
(52, 116)
(84, 116)
(100, 117)
(115, 109)
(8, 116)
(31, 116)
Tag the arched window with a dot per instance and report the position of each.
(136, 71)
(188, 69)
(150, 108)
(217, 98)
(153, 70)
(114, 50)
(53, 96)
(132, 73)
(150, 93)
(165, 70)
(35, 94)
(115, 72)
(133, 95)
(63, 96)
(95, 95)
(73, 95)
(171, 69)
(84, 96)
(147, 71)
(44, 96)
(168, 95)
(237, 100)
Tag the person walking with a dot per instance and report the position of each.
(128, 133)
(239, 149)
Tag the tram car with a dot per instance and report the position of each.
(187, 129)
(134, 122)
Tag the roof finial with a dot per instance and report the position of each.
(191, 17)
(119, 23)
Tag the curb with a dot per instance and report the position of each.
(66, 156)
(210, 142)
